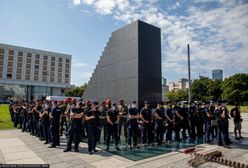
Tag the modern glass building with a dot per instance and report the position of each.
(217, 74)
(27, 73)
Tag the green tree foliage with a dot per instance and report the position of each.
(76, 91)
(178, 95)
(235, 88)
(200, 88)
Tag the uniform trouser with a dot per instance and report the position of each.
(193, 127)
(222, 132)
(55, 134)
(132, 134)
(40, 128)
(84, 131)
(74, 132)
(46, 131)
(103, 126)
(24, 123)
(62, 123)
(30, 125)
(16, 119)
(199, 129)
(21, 118)
(160, 129)
(208, 131)
(112, 130)
(123, 124)
(185, 126)
(147, 136)
(92, 133)
(169, 131)
(178, 126)
(36, 126)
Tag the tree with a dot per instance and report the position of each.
(215, 90)
(77, 91)
(199, 89)
(178, 95)
(235, 88)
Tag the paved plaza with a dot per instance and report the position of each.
(21, 148)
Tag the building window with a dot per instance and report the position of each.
(9, 76)
(11, 52)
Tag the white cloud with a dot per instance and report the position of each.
(217, 35)
(76, 2)
(85, 75)
(79, 64)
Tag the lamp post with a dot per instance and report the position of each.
(47, 75)
(189, 78)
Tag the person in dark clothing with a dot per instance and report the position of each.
(36, 112)
(92, 123)
(235, 114)
(133, 115)
(159, 119)
(208, 117)
(178, 122)
(112, 126)
(146, 117)
(185, 122)
(75, 129)
(103, 122)
(44, 116)
(169, 122)
(54, 124)
(223, 127)
(123, 113)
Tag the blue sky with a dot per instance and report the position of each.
(217, 31)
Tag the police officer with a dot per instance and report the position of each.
(92, 123)
(160, 127)
(35, 112)
(54, 124)
(235, 114)
(146, 117)
(87, 109)
(185, 121)
(178, 121)
(169, 122)
(62, 105)
(223, 127)
(25, 116)
(44, 115)
(103, 121)
(75, 129)
(133, 116)
(199, 120)
(112, 124)
(123, 112)
(209, 116)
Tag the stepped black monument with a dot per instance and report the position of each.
(130, 66)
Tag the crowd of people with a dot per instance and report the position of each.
(162, 123)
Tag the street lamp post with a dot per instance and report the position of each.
(189, 76)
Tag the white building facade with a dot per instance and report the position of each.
(27, 73)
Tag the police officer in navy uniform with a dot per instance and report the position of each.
(123, 112)
(36, 112)
(103, 121)
(209, 116)
(112, 124)
(185, 122)
(44, 116)
(160, 126)
(169, 114)
(92, 124)
(75, 129)
(223, 127)
(146, 117)
(133, 116)
(55, 116)
(178, 121)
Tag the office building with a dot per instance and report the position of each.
(27, 73)
(180, 84)
(217, 74)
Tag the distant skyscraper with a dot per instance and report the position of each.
(217, 74)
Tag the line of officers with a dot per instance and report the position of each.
(48, 120)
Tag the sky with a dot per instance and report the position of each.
(216, 30)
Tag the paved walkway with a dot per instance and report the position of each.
(17, 147)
